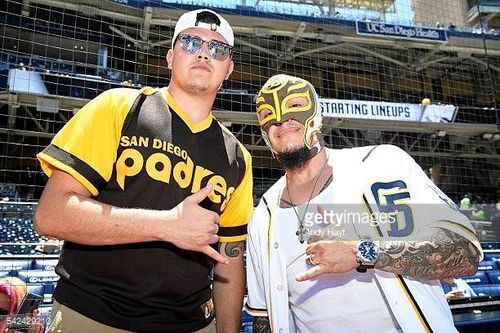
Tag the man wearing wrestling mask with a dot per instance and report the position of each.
(310, 269)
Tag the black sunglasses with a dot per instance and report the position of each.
(218, 50)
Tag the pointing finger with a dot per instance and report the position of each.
(209, 251)
(309, 274)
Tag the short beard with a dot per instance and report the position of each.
(295, 158)
(196, 89)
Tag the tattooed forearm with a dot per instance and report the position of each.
(444, 254)
(233, 249)
(261, 325)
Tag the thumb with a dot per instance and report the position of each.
(199, 196)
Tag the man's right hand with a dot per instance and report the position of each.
(197, 227)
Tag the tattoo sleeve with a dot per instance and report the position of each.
(261, 325)
(443, 254)
(233, 249)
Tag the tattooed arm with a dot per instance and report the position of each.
(261, 325)
(443, 254)
(438, 254)
(229, 288)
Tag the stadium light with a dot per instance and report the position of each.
(487, 136)
(491, 136)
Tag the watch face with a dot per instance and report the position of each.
(368, 251)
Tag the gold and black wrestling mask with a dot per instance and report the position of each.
(272, 106)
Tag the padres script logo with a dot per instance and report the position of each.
(159, 167)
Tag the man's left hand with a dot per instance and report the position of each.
(329, 257)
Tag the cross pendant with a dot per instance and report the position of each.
(301, 233)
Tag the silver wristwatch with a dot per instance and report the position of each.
(367, 253)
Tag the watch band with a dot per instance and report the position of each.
(362, 268)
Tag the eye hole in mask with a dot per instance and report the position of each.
(297, 103)
(264, 113)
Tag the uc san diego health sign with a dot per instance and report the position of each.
(342, 108)
(401, 31)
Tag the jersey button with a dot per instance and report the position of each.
(276, 245)
(279, 287)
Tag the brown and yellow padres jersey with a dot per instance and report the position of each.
(138, 149)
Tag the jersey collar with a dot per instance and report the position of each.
(194, 127)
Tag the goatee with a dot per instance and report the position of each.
(295, 158)
(197, 89)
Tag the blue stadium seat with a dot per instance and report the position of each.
(478, 279)
(488, 289)
(492, 257)
(17, 231)
(487, 265)
(494, 276)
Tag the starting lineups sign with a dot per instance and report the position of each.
(341, 108)
(401, 31)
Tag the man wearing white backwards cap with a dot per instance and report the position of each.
(151, 195)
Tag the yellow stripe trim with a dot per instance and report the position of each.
(226, 239)
(419, 316)
(194, 127)
(461, 227)
(49, 163)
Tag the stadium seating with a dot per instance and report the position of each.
(487, 289)
(487, 265)
(478, 279)
(493, 257)
(494, 276)
(16, 228)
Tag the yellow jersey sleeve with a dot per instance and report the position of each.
(235, 217)
(86, 146)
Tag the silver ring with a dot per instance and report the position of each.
(310, 260)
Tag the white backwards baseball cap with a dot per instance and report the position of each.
(206, 19)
